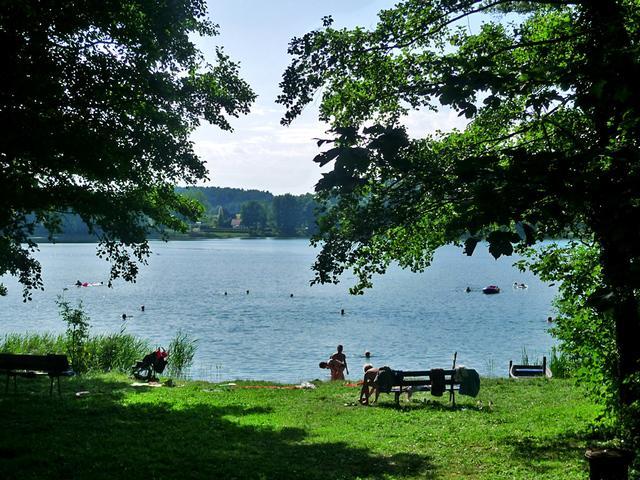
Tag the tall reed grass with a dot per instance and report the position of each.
(182, 349)
(525, 360)
(491, 367)
(97, 353)
(103, 353)
(33, 343)
(115, 352)
(560, 364)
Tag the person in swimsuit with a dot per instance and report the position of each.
(369, 385)
(342, 358)
(336, 367)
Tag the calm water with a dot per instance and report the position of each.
(407, 321)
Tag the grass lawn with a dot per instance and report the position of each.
(536, 429)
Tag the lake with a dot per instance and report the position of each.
(407, 321)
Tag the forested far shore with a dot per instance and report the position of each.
(228, 212)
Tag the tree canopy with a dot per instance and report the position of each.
(551, 145)
(97, 101)
(286, 214)
(254, 215)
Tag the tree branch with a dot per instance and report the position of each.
(438, 28)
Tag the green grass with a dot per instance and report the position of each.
(536, 429)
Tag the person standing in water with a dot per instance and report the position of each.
(341, 357)
(336, 367)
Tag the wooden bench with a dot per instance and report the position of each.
(527, 371)
(420, 381)
(31, 366)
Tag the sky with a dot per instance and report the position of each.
(260, 153)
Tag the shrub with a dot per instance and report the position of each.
(77, 335)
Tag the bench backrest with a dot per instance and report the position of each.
(422, 377)
(528, 370)
(44, 363)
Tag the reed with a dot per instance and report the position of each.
(491, 367)
(182, 349)
(560, 364)
(102, 353)
(524, 359)
(33, 343)
(115, 352)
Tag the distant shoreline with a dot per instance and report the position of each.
(171, 237)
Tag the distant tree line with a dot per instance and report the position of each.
(258, 212)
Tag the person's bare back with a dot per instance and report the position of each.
(369, 386)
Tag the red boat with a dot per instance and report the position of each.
(491, 289)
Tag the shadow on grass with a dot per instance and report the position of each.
(538, 454)
(429, 404)
(105, 435)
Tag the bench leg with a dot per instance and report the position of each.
(53, 379)
(397, 398)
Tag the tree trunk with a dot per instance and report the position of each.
(609, 65)
(616, 273)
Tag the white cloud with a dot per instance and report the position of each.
(265, 155)
(261, 153)
(420, 123)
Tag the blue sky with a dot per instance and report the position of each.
(261, 153)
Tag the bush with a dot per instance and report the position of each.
(77, 335)
(587, 337)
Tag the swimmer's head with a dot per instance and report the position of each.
(367, 354)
